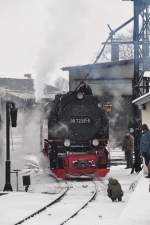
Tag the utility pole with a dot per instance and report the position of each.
(140, 83)
(141, 39)
(11, 115)
(141, 42)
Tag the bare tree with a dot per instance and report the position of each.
(62, 84)
(126, 50)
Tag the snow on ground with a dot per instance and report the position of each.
(137, 210)
(16, 206)
(76, 197)
(26, 155)
(103, 211)
(132, 210)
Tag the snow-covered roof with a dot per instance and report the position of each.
(18, 88)
(142, 99)
(17, 84)
(23, 95)
(98, 65)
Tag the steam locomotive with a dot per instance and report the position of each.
(78, 133)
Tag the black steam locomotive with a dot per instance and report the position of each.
(78, 132)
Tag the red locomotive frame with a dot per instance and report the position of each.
(71, 164)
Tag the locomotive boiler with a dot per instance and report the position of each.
(78, 133)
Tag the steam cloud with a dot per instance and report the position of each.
(60, 41)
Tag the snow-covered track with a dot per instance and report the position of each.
(86, 203)
(76, 199)
(43, 208)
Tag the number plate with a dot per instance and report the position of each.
(80, 120)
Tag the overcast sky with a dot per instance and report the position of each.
(40, 36)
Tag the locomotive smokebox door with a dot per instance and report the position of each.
(26, 180)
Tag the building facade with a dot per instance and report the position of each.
(112, 82)
(143, 104)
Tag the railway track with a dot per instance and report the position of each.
(75, 198)
(84, 205)
(37, 212)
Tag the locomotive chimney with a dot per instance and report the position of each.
(28, 75)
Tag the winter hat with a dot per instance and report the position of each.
(144, 127)
(131, 130)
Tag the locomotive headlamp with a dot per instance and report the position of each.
(95, 142)
(107, 107)
(67, 143)
(80, 95)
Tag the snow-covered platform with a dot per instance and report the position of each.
(16, 206)
(137, 210)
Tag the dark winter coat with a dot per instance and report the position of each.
(145, 143)
(128, 143)
(114, 189)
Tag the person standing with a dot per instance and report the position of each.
(145, 146)
(128, 148)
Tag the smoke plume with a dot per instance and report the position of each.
(64, 18)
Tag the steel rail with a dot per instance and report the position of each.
(85, 204)
(43, 208)
(93, 196)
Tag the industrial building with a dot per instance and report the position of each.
(112, 82)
